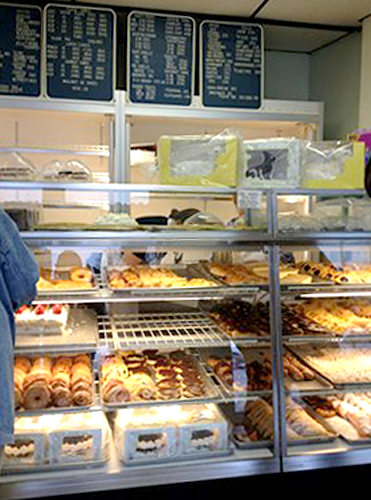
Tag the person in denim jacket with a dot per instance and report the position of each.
(19, 274)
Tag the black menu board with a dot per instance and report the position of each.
(160, 58)
(20, 50)
(80, 52)
(231, 65)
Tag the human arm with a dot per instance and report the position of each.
(19, 268)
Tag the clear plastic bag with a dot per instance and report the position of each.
(65, 171)
(209, 160)
(271, 163)
(326, 159)
(14, 167)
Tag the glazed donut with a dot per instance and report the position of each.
(60, 379)
(62, 397)
(36, 397)
(82, 358)
(81, 275)
(81, 386)
(63, 362)
(82, 398)
(118, 393)
(37, 376)
(22, 363)
(18, 398)
(19, 376)
(42, 362)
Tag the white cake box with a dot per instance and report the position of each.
(202, 431)
(30, 444)
(79, 438)
(144, 435)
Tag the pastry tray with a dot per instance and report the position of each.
(72, 291)
(249, 354)
(81, 335)
(203, 270)
(334, 383)
(13, 469)
(178, 458)
(337, 425)
(211, 395)
(248, 443)
(318, 384)
(71, 226)
(22, 412)
(184, 271)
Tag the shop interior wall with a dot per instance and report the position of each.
(286, 75)
(334, 79)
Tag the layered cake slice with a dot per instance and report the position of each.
(41, 319)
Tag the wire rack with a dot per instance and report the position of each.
(161, 330)
(106, 333)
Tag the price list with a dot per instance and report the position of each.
(161, 59)
(231, 73)
(20, 50)
(80, 53)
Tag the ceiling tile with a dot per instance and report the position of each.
(242, 8)
(335, 12)
(297, 39)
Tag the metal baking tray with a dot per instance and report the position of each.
(202, 269)
(250, 354)
(318, 384)
(330, 423)
(95, 286)
(46, 467)
(248, 444)
(334, 383)
(211, 395)
(184, 271)
(81, 335)
(22, 412)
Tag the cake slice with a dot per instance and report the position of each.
(41, 319)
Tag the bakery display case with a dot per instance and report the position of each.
(152, 353)
(325, 328)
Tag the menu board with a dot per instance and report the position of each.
(80, 52)
(160, 58)
(231, 65)
(20, 50)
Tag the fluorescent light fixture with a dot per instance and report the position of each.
(324, 295)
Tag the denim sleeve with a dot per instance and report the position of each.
(20, 270)
(7, 384)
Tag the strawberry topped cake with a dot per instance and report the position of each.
(41, 319)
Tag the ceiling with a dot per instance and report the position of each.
(336, 18)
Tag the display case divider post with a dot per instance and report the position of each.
(122, 154)
(272, 213)
(280, 442)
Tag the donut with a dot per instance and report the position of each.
(82, 358)
(19, 376)
(22, 363)
(42, 362)
(82, 398)
(18, 398)
(62, 397)
(36, 397)
(118, 393)
(81, 275)
(37, 376)
(81, 386)
(60, 379)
